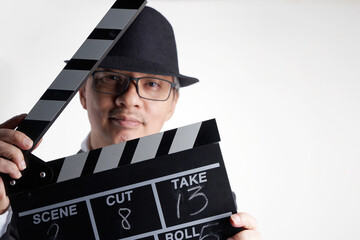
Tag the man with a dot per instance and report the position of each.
(131, 95)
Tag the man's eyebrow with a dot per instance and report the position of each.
(104, 69)
(151, 75)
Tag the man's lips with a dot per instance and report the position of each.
(126, 121)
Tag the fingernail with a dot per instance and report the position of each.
(19, 175)
(28, 143)
(230, 238)
(22, 165)
(235, 218)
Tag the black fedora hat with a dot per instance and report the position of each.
(147, 46)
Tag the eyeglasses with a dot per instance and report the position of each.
(149, 88)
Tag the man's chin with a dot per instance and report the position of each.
(123, 137)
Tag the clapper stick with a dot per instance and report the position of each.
(79, 68)
(87, 58)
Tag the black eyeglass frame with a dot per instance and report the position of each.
(174, 85)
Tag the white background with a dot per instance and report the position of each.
(281, 78)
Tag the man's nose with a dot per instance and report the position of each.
(130, 97)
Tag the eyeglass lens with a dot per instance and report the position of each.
(117, 83)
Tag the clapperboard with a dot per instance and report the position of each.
(167, 186)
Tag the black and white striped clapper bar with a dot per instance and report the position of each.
(167, 186)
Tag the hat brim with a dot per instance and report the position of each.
(144, 66)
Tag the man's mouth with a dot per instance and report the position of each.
(126, 121)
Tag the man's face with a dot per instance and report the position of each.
(115, 119)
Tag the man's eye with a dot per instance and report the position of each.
(112, 77)
(153, 84)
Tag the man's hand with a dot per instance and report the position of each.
(11, 157)
(249, 224)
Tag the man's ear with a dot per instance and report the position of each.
(82, 95)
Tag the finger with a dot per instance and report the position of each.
(10, 168)
(13, 122)
(37, 145)
(246, 235)
(16, 138)
(4, 200)
(11, 153)
(243, 220)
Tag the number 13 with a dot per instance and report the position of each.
(196, 194)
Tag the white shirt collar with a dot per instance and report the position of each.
(85, 145)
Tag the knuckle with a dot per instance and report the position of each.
(7, 135)
(10, 152)
(3, 148)
(17, 156)
(12, 135)
(4, 168)
(9, 167)
(18, 138)
(3, 133)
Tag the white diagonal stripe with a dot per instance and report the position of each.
(45, 110)
(185, 138)
(69, 79)
(147, 147)
(72, 166)
(93, 49)
(116, 18)
(109, 157)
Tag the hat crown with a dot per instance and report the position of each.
(150, 37)
(147, 46)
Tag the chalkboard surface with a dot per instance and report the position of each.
(184, 195)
